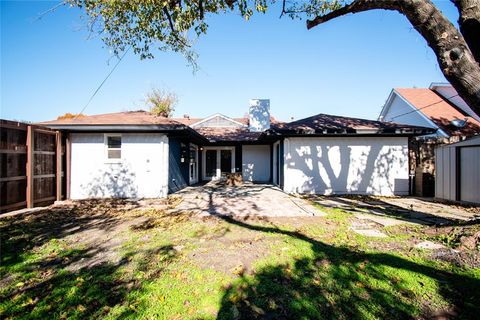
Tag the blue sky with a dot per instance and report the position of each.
(345, 67)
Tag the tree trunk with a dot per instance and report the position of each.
(453, 54)
(469, 22)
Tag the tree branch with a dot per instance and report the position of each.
(200, 8)
(354, 7)
(172, 28)
(469, 22)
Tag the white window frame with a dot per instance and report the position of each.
(194, 179)
(105, 141)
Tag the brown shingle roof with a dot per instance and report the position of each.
(219, 134)
(119, 118)
(325, 124)
(319, 124)
(439, 110)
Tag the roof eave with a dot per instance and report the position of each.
(116, 127)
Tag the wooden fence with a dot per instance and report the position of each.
(32, 159)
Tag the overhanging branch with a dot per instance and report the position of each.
(354, 7)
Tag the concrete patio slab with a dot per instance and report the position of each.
(214, 198)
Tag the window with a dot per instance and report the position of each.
(114, 146)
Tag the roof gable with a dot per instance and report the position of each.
(439, 110)
(217, 120)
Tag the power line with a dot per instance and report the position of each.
(101, 84)
(418, 109)
(55, 7)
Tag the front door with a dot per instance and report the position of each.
(217, 162)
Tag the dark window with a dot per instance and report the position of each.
(114, 147)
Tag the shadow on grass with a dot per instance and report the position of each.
(340, 283)
(377, 206)
(53, 282)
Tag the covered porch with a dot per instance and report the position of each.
(256, 163)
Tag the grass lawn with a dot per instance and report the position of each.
(115, 260)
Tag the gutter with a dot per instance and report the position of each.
(173, 128)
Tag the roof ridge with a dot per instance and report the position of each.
(334, 116)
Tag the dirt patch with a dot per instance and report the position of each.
(461, 237)
(93, 226)
(459, 258)
(230, 252)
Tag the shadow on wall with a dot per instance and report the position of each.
(118, 181)
(260, 115)
(248, 171)
(346, 169)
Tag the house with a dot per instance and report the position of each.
(438, 107)
(138, 154)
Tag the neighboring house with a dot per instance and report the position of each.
(137, 154)
(438, 107)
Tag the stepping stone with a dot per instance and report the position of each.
(429, 245)
(370, 233)
(384, 221)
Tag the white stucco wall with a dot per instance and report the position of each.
(348, 165)
(141, 173)
(256, 163)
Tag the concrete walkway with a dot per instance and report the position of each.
(215, 198)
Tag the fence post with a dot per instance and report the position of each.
(59, 165)
(30, 167)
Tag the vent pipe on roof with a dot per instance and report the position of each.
(259, 115)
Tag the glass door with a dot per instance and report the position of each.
(210, 163)
(217, 162)
(225, 162)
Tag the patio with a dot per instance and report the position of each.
(214, 198)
